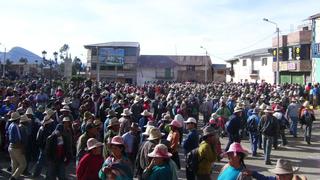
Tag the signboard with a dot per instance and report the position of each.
(292, 66)
(283, 66)
(111, 56)
(316, 50)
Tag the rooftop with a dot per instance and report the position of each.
(156, 61)
(114, 44)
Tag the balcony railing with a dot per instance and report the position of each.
(254, 73)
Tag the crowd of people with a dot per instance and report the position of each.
(122, 131)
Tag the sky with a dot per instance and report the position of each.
(224, 28)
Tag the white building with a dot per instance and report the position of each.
(252, 66)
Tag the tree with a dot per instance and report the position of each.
(64, 51)
(76, 65)
(23, 60)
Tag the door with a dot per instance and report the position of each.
(285, 78)
(298, 78)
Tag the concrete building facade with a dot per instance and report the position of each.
(315, 20)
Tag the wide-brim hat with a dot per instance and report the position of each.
(66, 101)
(154, 134)
(137, 99)
(191, 120)
(49, 112)
(14, 116)
(113, 122)
(66, 119)
(117, 140)
(65, 109)
(24, 118)
(145, 113)
(306, 104)
(93, 143)
(167, 117)
(47, 120)
(135, 126)
(6, 99)
(161, 151)
(112, 113)
(176, 123)
(284, 167)
(148, 129)
(150, 123)
(97, 122)
(236, 148)
(237, 109)
(29, 111)
(126, 112)
(207, 131)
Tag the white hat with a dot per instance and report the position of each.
(93, 143)
(148, 129)
(191, 120)
(126, 112)
(145, 113)
(24, 118)
(14, 116)
(284, 167)
(237, 109)
(65, 108)
(66, 119)
(47, 120)
(29, 111)
(66, 101)
(154, 134)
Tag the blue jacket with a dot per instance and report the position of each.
(234, 125)
(14, 134)
(256, 175)
(191, 142)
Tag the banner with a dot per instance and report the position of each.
(111, 56)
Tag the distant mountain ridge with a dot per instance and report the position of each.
(16, 53)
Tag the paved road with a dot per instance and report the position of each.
(307, 157)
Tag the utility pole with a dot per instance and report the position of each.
(98, 65)
(206, 65)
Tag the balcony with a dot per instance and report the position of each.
(165, 75)
(293, 66)
(254, 73)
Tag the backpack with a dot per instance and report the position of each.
(252, 125)
(267, 128)
(192, 160)
(307, 117)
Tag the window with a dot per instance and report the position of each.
(93, 51)
(93, 66)
(244, 62)
(108, 68)
(220, 72)
(191, 68)
(131, 51)
(264, 61)
(120, 68)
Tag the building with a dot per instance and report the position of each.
(294, 56)
(173, 68)
(315, 21)
(253, 66)
(219, 72)
(113, 61)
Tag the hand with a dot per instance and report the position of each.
(247, 173)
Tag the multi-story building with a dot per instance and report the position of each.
(253, 66)
(315, 20)
(219, 72)
(294, 56)
(113, 61)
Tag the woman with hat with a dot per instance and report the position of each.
(283, 124)
(159, 167)
(111, 114)
(146, 116)
(113, 130)
(174, 139)
(164, 124)
(90, 164)
(132, 140)
(66, 112)
(233, 170)
(307, 117)
(117, 155)
(125, 121)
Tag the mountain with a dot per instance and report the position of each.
(18, 52)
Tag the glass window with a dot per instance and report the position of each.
(244, 63)
(264, 61)
(191, 68)
(93, 66)
(93, 51)
(130, 51)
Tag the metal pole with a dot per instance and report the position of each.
(98, 66)
(4, 62)
(278, 73)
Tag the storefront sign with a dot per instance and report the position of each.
(292, 66)
(283, 66)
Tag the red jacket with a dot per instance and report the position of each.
(89, 167)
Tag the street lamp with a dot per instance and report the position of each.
(278, 37)
(206, 65)
(4, 60)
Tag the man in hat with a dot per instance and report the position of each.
(252, 128)
(65, 112)
(90, 132)
(136, 109)
(34, 128)
(7, 107)
(58, 151)
(113, 130)
(142, 160)
(292, 114)
(111, 114)
(207, 153)
(144, 119)
(283, 170)
(16, 149)
(268, 127)
(283, 124)
(233, 126)
(24, 128)
(46, 129)
(132, 140)
(125, 121)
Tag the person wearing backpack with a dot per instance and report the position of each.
(268, 127)
(190, 143)
(292, 114)
(252, 128)
(233, 126)
(283, 124)
(206, 153)
(307, 115)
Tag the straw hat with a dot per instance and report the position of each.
(148, 129)
(47, 120)
(135, 126)
(167, 117)
(268, 110)
(145, 113)
(65, 108)
(93, 143)
(112, 113)
(66, 119)
(113, 122)
(29, 111)
(154, 134)
(191, 120)
(176, 123)
(237, 109)
(117, 140)
(137, 99)
(236, 147)
(66, 101)
(150, 123)
(160, 150)
(146, 99)
(284, 167)
(49, 112)
(14, 116)
(126, 112)
(24, 118)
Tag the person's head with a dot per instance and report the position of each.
(238, 111)
(175, 125)
(284, 170)
(268, 111)
(191, 123)
(209, 135)
(117, 146)
(24, 119)
(94, 146)
(15, 117)
(91, 130)
(236, 154)
(114, 124)
(160, 154)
